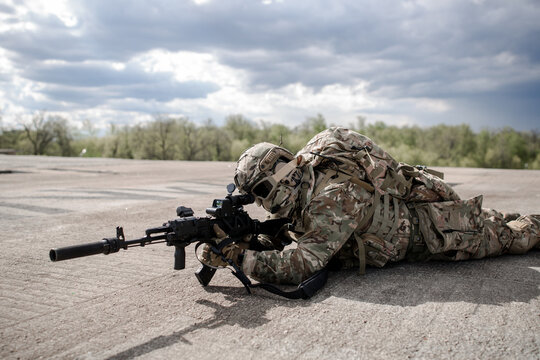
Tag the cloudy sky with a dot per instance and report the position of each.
(412, 62)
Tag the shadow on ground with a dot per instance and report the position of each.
(246, 311)
(495, 281)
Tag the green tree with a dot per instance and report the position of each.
(239, 127)
(169, 138)
(62, 135)
(274, 133)
(118, 142)
(39, 132)
(215, 143)
(163, 130)
(189, 142)
(312, 126)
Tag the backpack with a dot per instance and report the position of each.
(357, 155)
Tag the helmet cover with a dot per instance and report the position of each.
(256, 172)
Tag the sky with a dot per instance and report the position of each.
(418, 62)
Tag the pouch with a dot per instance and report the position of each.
(449, 227)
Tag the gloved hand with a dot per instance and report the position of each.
(231, 251)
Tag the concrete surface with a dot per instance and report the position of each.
(133, 304)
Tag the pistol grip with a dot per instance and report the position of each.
(179, 257)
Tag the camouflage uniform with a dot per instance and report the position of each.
(381, 212)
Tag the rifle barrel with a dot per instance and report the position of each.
(75, 251)
(105, 246)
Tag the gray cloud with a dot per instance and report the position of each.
(6, 9)
(129, 82)
(157, 91)
(458, 51)
(77, 74)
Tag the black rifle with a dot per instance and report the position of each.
(227, 213)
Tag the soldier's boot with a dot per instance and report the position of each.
(526, 234)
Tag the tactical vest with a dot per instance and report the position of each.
(344, 155)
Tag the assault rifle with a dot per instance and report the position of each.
(228, 214)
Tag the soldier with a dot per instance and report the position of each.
(351, 204)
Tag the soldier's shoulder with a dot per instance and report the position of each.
(339, 193)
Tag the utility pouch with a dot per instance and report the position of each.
(451, 226)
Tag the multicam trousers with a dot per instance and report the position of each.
(461, 230)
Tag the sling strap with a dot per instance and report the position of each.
(305, 290)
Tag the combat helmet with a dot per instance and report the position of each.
(270, 173)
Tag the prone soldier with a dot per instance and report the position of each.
(350, 204)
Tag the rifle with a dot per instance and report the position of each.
(227, 213)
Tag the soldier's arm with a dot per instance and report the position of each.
(329, 220)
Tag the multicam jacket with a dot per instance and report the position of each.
(343, 219)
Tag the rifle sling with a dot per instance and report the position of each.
(305, 290)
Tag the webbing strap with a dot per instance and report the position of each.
(365, 159)
(413, 171)
(408, 170)
(367, 216)
(305, 290)
(362, 184)
(331, 176)
(371, 209)
(385, 223)
(361, 254)
(322, 184)
(376, 172)
(380, 225)
(416, 243)
(396, 220)
(376, 215)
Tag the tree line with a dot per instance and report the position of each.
(178, 138)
